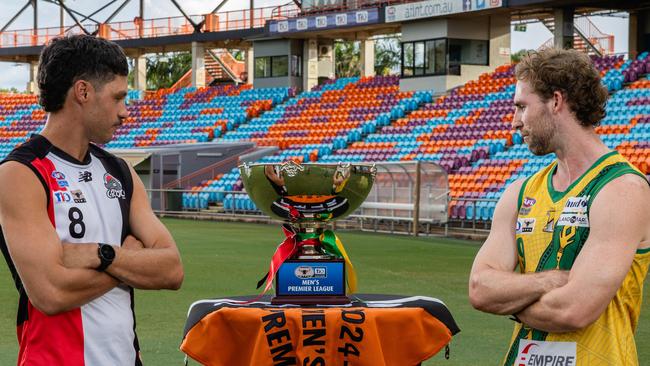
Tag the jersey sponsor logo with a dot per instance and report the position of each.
(576, 204)
(525, 225)
(85, 176)
(542, 353)
(60, 180)
(62, 197)
(527, 205)
(113, 187)
(78, 196)
(573, 219)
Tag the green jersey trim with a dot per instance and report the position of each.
(522, 190)
(557, 195)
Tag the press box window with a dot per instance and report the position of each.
(296, 65)
(423, 58)
(271, 66)
(442, 56)
(262, 67)
(468, 52)
(279, 66)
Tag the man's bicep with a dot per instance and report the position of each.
(618, 220)
(30, 236)
(499, 249)
(145, 226)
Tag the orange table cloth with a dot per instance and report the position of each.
(374, 330)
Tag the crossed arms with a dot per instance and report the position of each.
(59, 276)
(563, 301)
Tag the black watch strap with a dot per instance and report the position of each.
(106, 254)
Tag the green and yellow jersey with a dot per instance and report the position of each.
(552, 228)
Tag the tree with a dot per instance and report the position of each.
(237, 54)
(348, 61)
(387, 56)
(517, 56)
(163, 69)
(12, 90)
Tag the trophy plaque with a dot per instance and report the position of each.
(310, 266)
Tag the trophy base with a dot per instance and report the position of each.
(311, 282)
(310, 300)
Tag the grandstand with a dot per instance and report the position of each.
(457, 116)
(438, 128)
(467, 131)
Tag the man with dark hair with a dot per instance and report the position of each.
(78, 233)
(577, 229)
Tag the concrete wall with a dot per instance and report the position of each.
(468, 72)
(424, 29)
(274, 47)
(495, 29)
(476, 28)
(639, 31)
(436, 83)
(499, 40)
(278, 47)
(325, 59)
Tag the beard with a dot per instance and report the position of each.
(539, 140)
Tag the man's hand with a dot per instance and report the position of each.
(554, 279)
(131, 243)
(618, 219)
(80, 255)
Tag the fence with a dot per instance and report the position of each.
(407, 197)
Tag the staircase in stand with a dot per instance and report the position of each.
(586, 37)
(220, 67)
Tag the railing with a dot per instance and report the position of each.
(596, 43)
(207, 172)
(148, 28)
(170, 203)
(588, 32)
(604, 42)
(231, 66)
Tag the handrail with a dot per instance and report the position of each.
(210, 168)
(597, 41)
(227, 67)
(183, 81)
(147, 28)
(590, 32)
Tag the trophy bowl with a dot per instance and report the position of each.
(307, 195)
(310, 266)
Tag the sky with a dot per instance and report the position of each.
(17, 75)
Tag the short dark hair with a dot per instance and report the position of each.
(64, 60)
(570, 72)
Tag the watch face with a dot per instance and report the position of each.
(107, 252)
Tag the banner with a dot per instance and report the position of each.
(325, 21)
(435, 8)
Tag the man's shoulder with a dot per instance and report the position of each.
(102, 153)
(36, 147)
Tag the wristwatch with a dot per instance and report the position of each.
(106, 255)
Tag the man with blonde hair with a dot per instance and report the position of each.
(578, 230)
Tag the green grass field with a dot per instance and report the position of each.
(227, 259)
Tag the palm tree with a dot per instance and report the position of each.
(347, 59)
(387, 56)
(164, 69)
